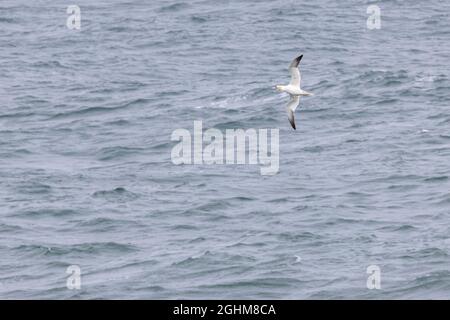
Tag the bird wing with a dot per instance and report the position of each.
(295, 72)
(292, 105)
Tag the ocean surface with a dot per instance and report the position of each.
(87, 179)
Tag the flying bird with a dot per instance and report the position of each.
(294, 90)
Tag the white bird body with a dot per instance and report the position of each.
(294, 90)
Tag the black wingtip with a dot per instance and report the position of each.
(292, 124)
(296, 62)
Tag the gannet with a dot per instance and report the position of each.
(294, 90)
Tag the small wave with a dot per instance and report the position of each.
(212, 206)
(117, 192)
(174, 7)
(7, 20)
(105, 225)
(16, 153)
(17, 115)
(119, 29)
(198, 239)
(47, 212)
(111, 153)
(9, 228)
(429, 253)
(386, 101)
(294, 237)
(241, 198)
(279, 200)
(161, 146)
(83, 112)
(98, 110)
(435, 276)
(198, 19)
(120, 122)
(230, 125)
(436, 179)
(104, 222)
(404, 227)
(208, 257)
(192, 259)
(184, 227)
(35, 188)
(259, 283)
(314, 149)
(92, 247)
(48, 64)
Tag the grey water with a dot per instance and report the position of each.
(87, 179)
